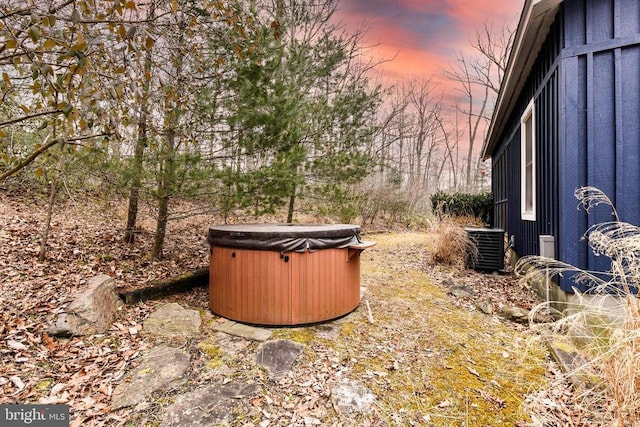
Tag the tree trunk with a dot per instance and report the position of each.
(161, 227)
(292, 201)
(165, 183)
(471, 140)
(134, 195)
(132, 213)
(141, 143)
(42, 255)
(53, 191)
(167, 172)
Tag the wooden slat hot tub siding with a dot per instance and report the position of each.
(261, 287)
(252, 287)
(328, 285)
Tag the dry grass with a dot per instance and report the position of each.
(606, 339)
(453, 246)
(435, 364)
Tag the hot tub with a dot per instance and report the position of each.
(284, 274)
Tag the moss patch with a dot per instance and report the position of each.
(45, 384)
(426, 359)
(214, 352)
(302, 335)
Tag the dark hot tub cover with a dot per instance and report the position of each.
(284, 237)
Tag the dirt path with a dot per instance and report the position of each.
(429, 359)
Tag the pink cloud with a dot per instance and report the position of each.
(424, 36)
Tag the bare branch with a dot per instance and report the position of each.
(24, 163)
(28, 117)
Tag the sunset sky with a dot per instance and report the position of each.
(424, 35)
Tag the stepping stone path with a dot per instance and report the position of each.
(208, 406)
(161, 369)
(278, 356)
(245, 331)
(171, 320)
(164, 368)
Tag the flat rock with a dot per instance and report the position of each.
(241, 330)
(231, 344)
(461, 292)
(91, 312)
(171, 320)
(278, 356)
(209, 406)
(351, 397)
(514, 313)
(161, 368)
(485, 306)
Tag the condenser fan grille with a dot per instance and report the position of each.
(489, 249)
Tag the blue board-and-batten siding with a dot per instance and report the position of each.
(586, 83)
(601, 110)
(543, 85)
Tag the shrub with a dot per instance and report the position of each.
(382, 201)
(463, 204)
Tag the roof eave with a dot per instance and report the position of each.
(533, 27)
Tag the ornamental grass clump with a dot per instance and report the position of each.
(602, 329)
(453, 246)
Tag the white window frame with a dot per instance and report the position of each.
(528, 160)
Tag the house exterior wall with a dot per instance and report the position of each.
(586, 85)
(543, 86)
(601, 118)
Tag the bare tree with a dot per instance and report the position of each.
(450, 155)
(416, 142)
(479, 77)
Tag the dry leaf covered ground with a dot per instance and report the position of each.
(430, 359)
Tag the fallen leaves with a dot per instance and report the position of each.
(16, 345)
(83, 372)
(49, 342)
(497, 402)
(473, 371)
(444, 404)
(36, 367)
(489, 291)
(17, 382)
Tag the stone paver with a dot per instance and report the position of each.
(241, 330)
(161, 368)
(171, 320)
(278, 356)
(209, 406)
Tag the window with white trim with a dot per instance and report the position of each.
(528, 163)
